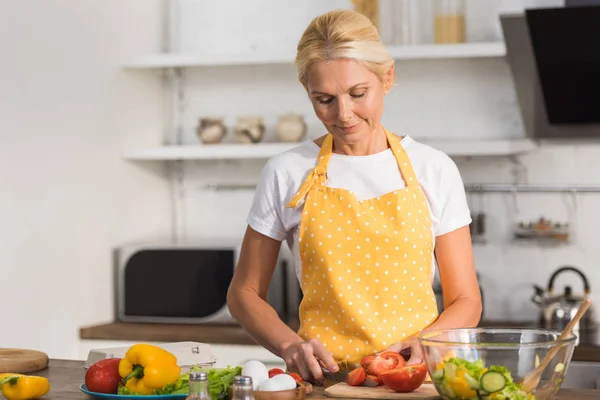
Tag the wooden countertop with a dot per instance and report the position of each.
(236, 335)
(66, 376)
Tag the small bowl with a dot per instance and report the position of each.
(293, 394)
(299, 393)
(518, 350)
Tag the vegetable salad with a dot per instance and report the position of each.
(459, 379)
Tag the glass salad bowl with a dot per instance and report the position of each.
(489, 364)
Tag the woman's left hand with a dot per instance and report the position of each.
(410, 344)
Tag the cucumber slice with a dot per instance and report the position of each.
(472, 382)
(483, 395)
(450, 372)
(447, 390)
(492, 381)
(438, 374)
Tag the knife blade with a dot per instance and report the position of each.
(339, 376)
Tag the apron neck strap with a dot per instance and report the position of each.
(324, 155)
(318, 175)
(408, 172)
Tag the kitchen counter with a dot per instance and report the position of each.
(212, 334)
(66, 376)
(235, 334)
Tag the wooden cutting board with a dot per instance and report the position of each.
(426, 391)
(22, 361)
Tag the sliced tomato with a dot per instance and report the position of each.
(366, 361)
(392, 355)
(296, 377)
(406, 378)
(388, 360)
(356, 377)
(275, 371)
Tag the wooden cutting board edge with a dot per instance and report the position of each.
(343, 390)
(22, 361)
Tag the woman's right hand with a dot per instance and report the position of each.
(308, 358)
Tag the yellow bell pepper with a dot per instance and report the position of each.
(146, 368)
(460, 385)
(23, 387)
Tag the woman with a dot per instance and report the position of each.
(366, 214)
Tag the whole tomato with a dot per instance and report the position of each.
(275, 371)
(405, 379)
(103, 376)
(296, 377)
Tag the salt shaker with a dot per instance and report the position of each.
(242, 388)
(198, 386)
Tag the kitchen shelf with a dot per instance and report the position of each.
(416, 52)
(454, 147)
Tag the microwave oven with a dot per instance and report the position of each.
(188, 283)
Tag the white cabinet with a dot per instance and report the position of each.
(234, 355)
(85, 345)
(226, 354)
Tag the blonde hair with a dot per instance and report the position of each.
(342, 34)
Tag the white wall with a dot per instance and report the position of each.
(67, 111)
(508, 269)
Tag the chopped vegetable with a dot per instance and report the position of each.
(459, 379)
(378, 364)
(375, 365)
(356, 377)
(493, 381)
(559, 367)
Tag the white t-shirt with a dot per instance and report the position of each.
(367, 176)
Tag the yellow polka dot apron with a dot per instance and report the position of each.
(366, 264)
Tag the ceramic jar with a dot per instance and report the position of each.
(291, 128)
(250, 129)
(211, 130)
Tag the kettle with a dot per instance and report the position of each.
(558, 310)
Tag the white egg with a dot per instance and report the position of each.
(257, 371)
(286, 381)
(270, 385)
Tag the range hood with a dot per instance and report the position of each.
(554, 56)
